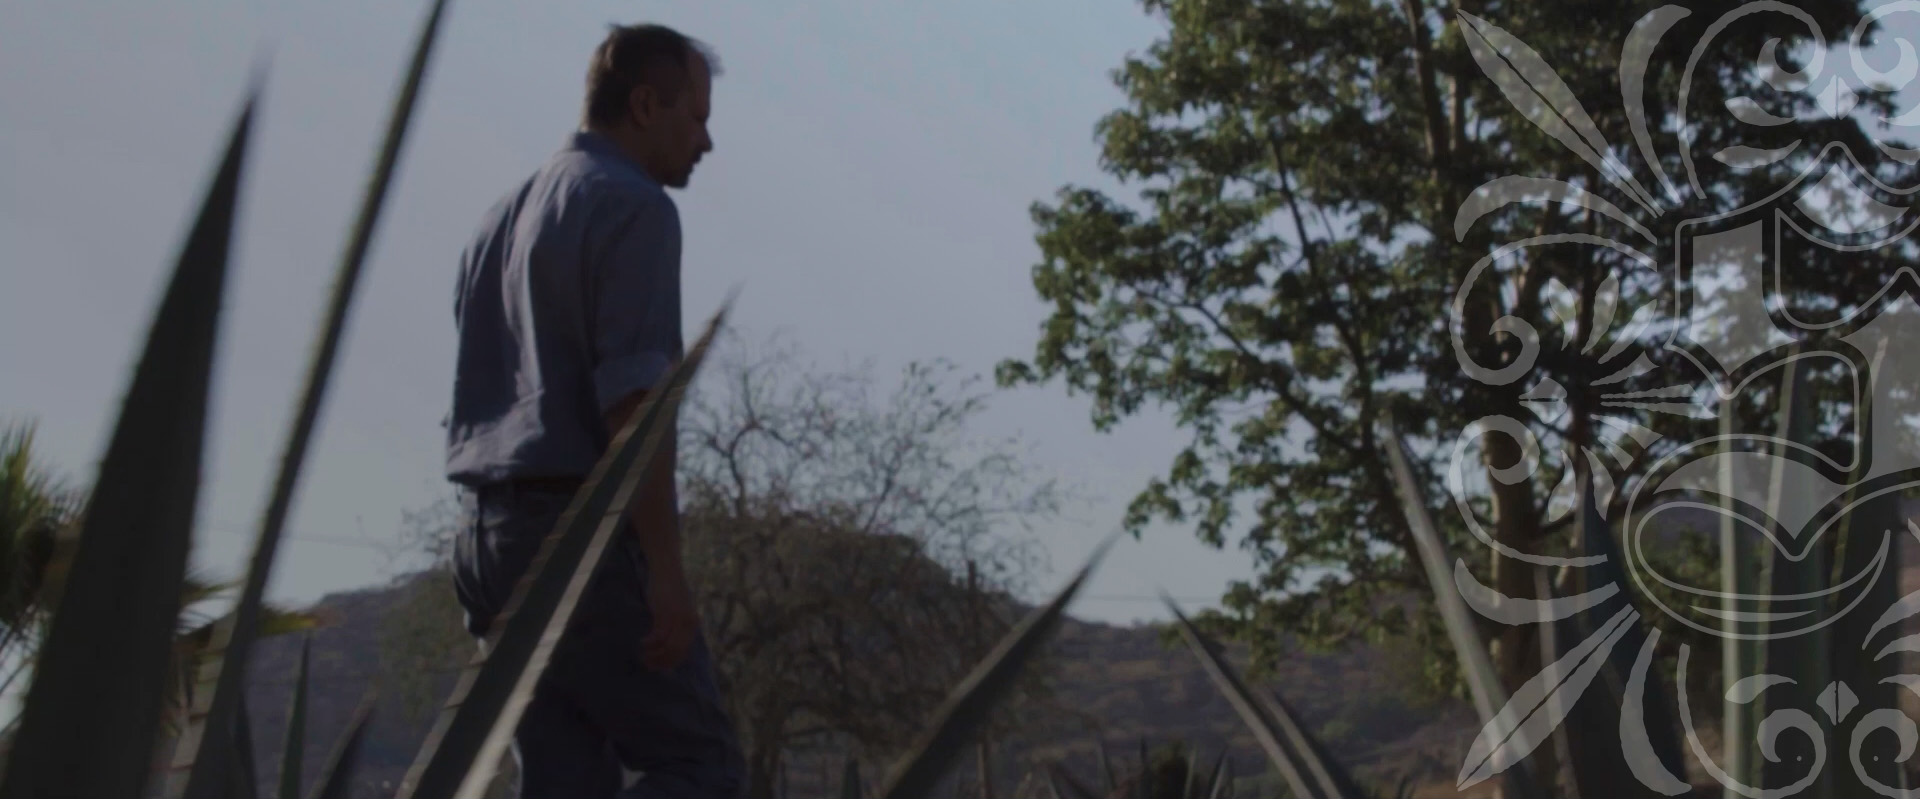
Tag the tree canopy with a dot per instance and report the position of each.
(1298, 264)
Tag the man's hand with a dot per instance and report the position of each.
(675, 621)
(655, 519)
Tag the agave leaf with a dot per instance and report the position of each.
(1058, 776)
(1223, 785)
(199, 671)
(296, 744)
(337, 776)
(1872, 679)
(120, 589)
(1619, 743)
(1302, 761)
(1539, 94)
(197, 774)
(244, 777)
(1540, 705)
(1190, 790)
(1482, 681)
(477, 723)
(1221, 777)
(850, 780)
(967, 706)
(1873, 530)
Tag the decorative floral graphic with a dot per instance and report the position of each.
(1723, 278)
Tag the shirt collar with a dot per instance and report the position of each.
(597, 143)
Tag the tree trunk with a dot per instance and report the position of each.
(1516, 649)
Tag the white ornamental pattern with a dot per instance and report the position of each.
(1729, 322)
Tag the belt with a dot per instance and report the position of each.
(536, 485)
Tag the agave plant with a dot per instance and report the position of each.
(1174, 771)
(90, 722)
(197, 632)
(336, 773)
(1603, 763)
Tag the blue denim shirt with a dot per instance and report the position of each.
(568, 301)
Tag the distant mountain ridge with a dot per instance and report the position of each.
(1124, 678)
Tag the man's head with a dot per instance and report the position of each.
(649, 88)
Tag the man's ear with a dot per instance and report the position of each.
(641, 104)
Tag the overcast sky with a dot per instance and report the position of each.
(869, 190)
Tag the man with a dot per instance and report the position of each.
(568, 311)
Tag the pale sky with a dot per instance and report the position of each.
(869, 189)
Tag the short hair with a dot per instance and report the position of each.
(633, 55)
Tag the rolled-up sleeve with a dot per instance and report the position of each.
(636, 307)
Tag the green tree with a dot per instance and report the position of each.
(35, 506)
(38, 511)
(1287, 274)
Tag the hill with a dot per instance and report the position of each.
(1120, 684)
(1124, 684)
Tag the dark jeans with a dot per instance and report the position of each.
(597, 710)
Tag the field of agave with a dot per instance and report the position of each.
(96, 708)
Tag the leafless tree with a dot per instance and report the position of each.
(856, 554)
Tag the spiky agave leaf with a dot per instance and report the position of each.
(1190, 790)
(1871, 525)
(94, 709)
(198, 774)
(296, 740)
(1301, 760)
(1221, 776)
(1482, 681)
(850, 779)
(1620, 744)
(967, 707)
(475, 727)
(1058, 776)
(336, 777)
(1223, 780)
(192, 677)
(243, 780)
(1873, 530)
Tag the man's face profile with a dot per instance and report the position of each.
(676, 131)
